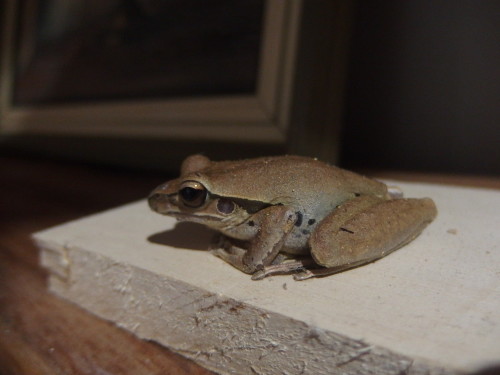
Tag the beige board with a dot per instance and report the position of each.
(430, 307)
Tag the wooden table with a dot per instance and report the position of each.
(42, 334)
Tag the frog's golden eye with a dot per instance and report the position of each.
(193, 194)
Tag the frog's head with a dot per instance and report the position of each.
(190, 198)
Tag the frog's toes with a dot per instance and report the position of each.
(303, 275)
(222, 253)
(226, 256)
(259, 275)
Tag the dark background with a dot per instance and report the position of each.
(423, 91)
(131, 49)
(421, 94)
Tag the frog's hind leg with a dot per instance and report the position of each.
(365, 229)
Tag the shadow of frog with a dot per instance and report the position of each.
(186, 236)
(492, 370)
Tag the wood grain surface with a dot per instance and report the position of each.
(42, 334)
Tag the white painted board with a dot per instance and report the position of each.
(433, 305)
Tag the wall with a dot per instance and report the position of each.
(423, 88)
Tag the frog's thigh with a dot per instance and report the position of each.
(366, 228)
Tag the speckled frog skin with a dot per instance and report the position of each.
(291, 213)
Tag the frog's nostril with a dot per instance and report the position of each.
(158, 199)
(154, 200)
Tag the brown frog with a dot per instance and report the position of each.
(292, 214)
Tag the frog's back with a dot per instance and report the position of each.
(293, 177)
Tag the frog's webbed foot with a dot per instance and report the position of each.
(302, 269)
(279, 269)
(327, 271)
(284, 266)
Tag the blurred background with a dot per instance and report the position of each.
(408, 86)
(423, 88)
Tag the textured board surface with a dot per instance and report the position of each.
(430, 306)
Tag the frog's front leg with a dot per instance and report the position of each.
(272, 226)
(367, 228)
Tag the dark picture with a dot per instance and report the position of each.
(93, 50)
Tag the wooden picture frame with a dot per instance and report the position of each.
(280, 112)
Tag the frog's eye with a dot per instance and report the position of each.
(193, 194)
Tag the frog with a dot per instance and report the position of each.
(292, 214)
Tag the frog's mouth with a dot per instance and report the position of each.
(184, 216)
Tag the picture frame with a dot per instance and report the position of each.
(295, 68)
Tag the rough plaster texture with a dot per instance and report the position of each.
(429, 308)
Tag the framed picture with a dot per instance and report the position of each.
(177, 70)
